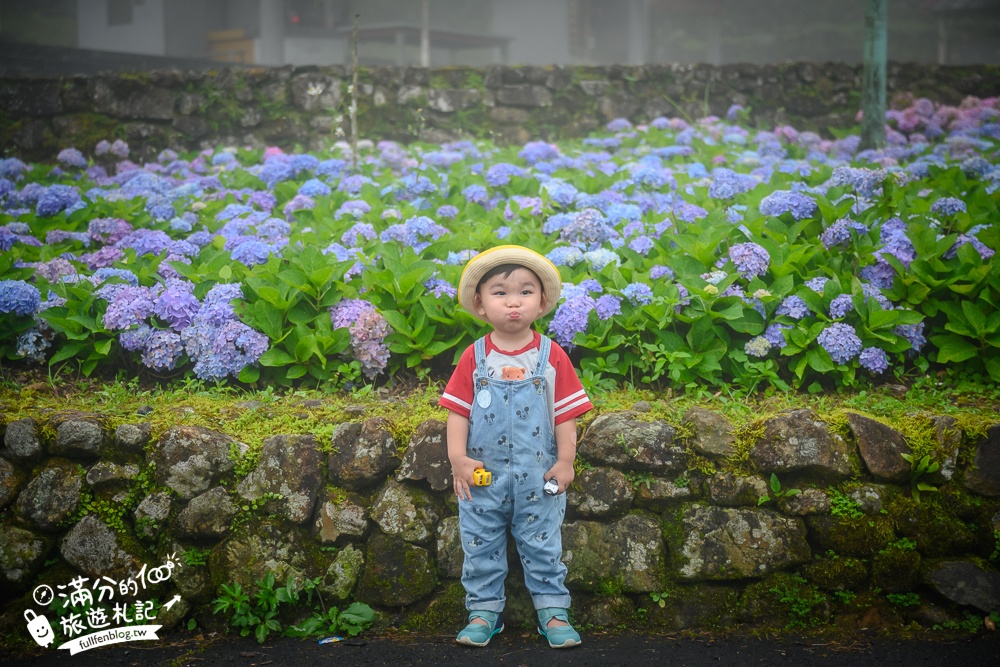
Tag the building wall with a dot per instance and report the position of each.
(145, 34)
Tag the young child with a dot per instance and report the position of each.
(513, 402)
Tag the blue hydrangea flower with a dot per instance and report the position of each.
(840, 341)
(56, 199)
(127, 306)
(447, 211)
(841, 305)
(601, 257)
(864, 181)
(570, 319)
(162, 349)
(587, 227)
(787, 201)
(538, 151)
(948, 206)
(793, 307)
(500, 174)
(314, 188)
(914, 333)
(32, 345)
(475, 194)
(560, 192)
(839, 233)
(440, 288)
(638, 293)
(607, 306)
(72, 158)
(659, 271)
(565, 255)
(177, 307)
(642, 245)
(750, 259)
(251, 253)
(775, 334)
(18, 297)
(873, 359)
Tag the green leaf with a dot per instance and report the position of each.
(225, 273)
(953, 349)
(276, 357)
(249, 374)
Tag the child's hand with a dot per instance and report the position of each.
(564, 474)
(461, 472)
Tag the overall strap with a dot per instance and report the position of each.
(480, 348)
(543, 356)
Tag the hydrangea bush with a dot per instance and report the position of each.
(691, 252)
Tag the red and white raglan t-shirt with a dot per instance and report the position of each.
(565, 395)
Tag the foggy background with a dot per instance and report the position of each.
(63, 36)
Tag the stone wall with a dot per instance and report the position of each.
(669, 526)
(299, 107)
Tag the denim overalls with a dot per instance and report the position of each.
(510, 432)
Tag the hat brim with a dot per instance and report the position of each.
(482, 263)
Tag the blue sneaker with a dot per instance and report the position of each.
(561, 636)
(477, 634)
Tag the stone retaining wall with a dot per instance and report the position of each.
(669, 526)
(299, 107)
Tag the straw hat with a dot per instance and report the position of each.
(482, 263)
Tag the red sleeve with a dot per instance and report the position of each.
(570, 400)
(457, 395)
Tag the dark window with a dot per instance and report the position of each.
(119, 12)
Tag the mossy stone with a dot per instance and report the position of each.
(396, 573)
(896, 569)
(843, 573)
(931, 525)
(860, 537)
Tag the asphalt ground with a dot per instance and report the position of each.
(523, 648)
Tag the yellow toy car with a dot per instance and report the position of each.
(482, 477)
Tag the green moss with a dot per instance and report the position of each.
(443, 614)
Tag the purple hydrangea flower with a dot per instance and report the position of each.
(56, 199)
(841, 305)
(538, 151)
(914, 333)
(948, 206)
(440, 288)
(787, 201)
(659, 271)
(500, 174)
(177, 307)
(642, 244)
(570, 319)
(873, 359)
(299, 202)
(108, 230)
(357, 232)
(840, 341)
(447, 211)
(127, 306)
(793, 307)
(476, 194)
(314, 188)
(750, 259)
(251, 253)
(72, 158)
(162, 349)
(839, 233)
(775, 334)
(18, 297)
(119, 149)
(864, 181)
(586, 228)
(984, 250)
(145, 242)
(368, 330)
(608, 306)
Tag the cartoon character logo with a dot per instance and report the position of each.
(39, 628)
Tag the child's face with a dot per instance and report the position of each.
(511, 303)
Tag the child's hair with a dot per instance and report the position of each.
(506, 270)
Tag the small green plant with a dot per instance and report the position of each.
(903, 599)
(845, 597)
(903, 544)
(918, 468)
(776, 492)
(802, 599)
(660, 598)
(195, 557)
(260, 616)
(995, 556)
(843, 506)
